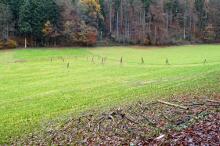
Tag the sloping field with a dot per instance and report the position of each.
(39, 85)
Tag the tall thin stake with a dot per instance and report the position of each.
(167, 62)
(142, 60)
(121, 60)
(93, 59)
(205, 61)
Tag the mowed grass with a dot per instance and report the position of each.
(36, 86)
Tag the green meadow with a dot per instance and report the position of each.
(41, 84)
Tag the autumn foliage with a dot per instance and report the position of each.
(79, 33)
(48, 29)
(8, 44)
(143, 22)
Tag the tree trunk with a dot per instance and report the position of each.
(155, 35)
(167, 24)
(25, 42)
(110, 17)
(117, 25)
(184, 26)
(144, 24)
(121, 21)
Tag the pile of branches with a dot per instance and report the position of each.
(139, 124)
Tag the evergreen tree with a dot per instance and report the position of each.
(25, 16)
(43, 11)
(101, 23)
(5, 20)
(15, 8)
(33, 14)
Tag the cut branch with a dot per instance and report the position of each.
(172, 104)
(213, 101)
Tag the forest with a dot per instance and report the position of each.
(42, 23)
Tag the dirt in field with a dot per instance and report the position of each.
(185, 120)
(20, 61)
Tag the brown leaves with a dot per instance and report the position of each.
(140, 124)
(206, 132)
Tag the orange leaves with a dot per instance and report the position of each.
(81, 34)
(48, 29)
(92, 5)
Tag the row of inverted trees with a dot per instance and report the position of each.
(83, 22)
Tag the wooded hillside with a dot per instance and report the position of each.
(86, 22)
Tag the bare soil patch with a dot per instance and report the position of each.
(20, 61)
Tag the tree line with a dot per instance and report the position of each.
(86, 22)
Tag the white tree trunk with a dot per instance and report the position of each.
(25, 42)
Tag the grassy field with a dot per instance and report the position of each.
(36, 86)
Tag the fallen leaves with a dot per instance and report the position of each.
(206, 132)
(143, 123)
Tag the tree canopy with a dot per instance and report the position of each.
(145, 22)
